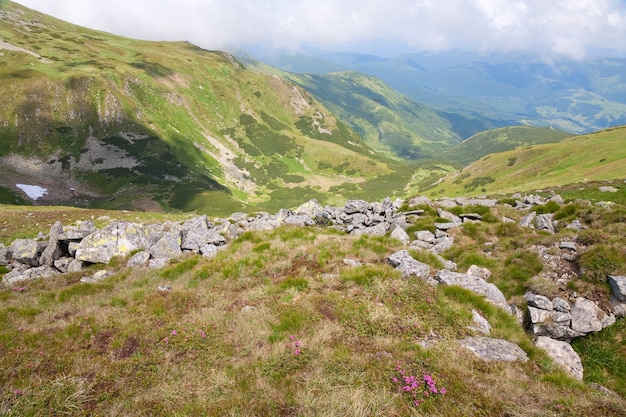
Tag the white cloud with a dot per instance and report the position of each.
(571, 27)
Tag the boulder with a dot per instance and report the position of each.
(377, 230)
(314, 211)
(587, 317)
(560, 304)
(356, 206)
(194, 239)
(167, 247)
(62, 264)
(420, 201)
(618, 286)
(474, 284)
(18, 275)
(25, 251)
(53, 250)
(484, 202)
(425, 236)
(527, 220)
(118, 238)
(300, 220)
(399, 234)
(209, 250)
(442, 245)
(408, 266)
(490, 350)
(544, 222)
(563, 354)
(449, 216)
(76, 266)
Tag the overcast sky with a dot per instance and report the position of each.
(567, 27)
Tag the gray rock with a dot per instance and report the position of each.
(209, 250)
(449, 216)
(25, 251)
(470, 217)
(262, 224)
(300, 220)
(72, 247)
(474, 284)
(479, 272)
(5, 255)
(499, 350)
(313, 210)
(97, 277)
(76, 266)
(356, 206)
(118, 238)
(544, 222)
(352, 263)
(17, 275)
(138, 260)
(618, 286)
(538, 301)
(194, 239)
(53, 250)
(586, 316)
(399, 234)
(575, 225)
(167, 247)
(484, 202)
(420, 201)
(62, 264)
(408, 266)
(425, 236)
(537, 315)
(158, 263)
(561, 305)
(228, 230)
(563, 354)
(446, 226)
(608, 189)
(480, 323)
(447, 203)
(442, 245)
(378, 230)
(619, 307)
(164, 288)
(568, 245)
(527, 220)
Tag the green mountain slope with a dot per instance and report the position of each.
(500, 140)
(594, 157)
(386, 120)
(95, 117)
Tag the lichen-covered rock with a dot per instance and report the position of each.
(119, 238)
(356, 206)
(479, 272)
(538, 301)
(490, 350)
(563, 354)
(26, 251)
(5, 255)
(167, 247)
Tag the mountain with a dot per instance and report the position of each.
(500, 140)
(98, 119)
(512, 88)
(598, 156)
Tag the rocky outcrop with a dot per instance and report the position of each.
(474, 284)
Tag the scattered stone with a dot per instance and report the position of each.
(165, 288)
(352, 263)
(499, 350)
(575, 225)
(608, 189)
(563, 354)
(442, 245)
(18, 275)
(425, 236)
(544, 222)
(446, 226)
(527, 220)
(408, 266)
(568, 245)
(470, 217)
(248, 309)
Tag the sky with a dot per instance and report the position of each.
(572, 28)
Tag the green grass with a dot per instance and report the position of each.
(277, 324)
(595, 157)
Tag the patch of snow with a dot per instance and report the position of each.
(33, 191)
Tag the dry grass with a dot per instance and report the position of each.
(224, 341)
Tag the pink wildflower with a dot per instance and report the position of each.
(173, 332)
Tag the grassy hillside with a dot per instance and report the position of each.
(500, 140)
(180, 127)
(594, 157)
(278, 324)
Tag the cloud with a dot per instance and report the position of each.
(569, 27)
